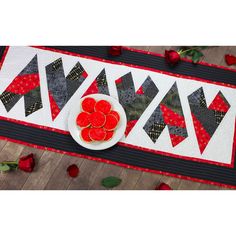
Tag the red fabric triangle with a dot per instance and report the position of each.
(55, 110)
(219, 104)
(92, 89)
(140, 91)
(130, 125)
(202, 136)
(176, 139)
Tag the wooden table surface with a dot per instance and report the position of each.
(50, 171)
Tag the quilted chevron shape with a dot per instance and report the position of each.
(26, 84)
(168, 113)
(133, 102)
(206, 119)
(61, 88)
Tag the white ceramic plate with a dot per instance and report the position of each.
(75, 130)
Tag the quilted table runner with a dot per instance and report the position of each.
(181, 120)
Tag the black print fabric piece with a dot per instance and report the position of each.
(57, 82)
(9, 99)
(99, 85)
(62, 88)
(25, 84)
(169, 112)
(33, 103)
(134, 102)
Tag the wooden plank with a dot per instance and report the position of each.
(46, 167)
(188, 185)
(148, 181)
(171, 181)
(2, 144)
(129, 178)
(16, 179)
(145, 48)
(214, 55)
(10, 152)
(160, 49)
(106, 171)
(60, 179)
(89, 170)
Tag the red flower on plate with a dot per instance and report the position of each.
(115, 50)
(26, 163)
(163, 186)
(230, 60)
(73, 171)
(172, 57)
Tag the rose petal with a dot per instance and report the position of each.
(163, 186)
(230, 60)
(73, 171)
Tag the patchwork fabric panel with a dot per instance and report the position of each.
(61, 88)
(26, 85)
(133, 102)
(206, 120)
(169, 112)
(99, 85)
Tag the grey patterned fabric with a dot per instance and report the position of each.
(208, 119)
(102, 85)
(135, 102)
(31, 68)
(32, 99)
(60, 87)
(156, 123)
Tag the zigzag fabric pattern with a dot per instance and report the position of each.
(26, 85)
(61, 88)
(133, 102)
(206, 120)
(169, 112)
(99, 85)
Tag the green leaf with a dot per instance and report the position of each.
(111, 182)
(13, 166)
(4, 167)
(196, 56)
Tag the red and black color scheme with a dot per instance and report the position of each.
(133, 102)
(169, 112)
(206, 119)
(125, 155)
(61, 88)
(99, 85)
(26, 85)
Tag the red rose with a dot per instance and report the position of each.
(26, 163)
(163, 186)
(230, 60)
(115, 50)
(172, 57)
(73, 171)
